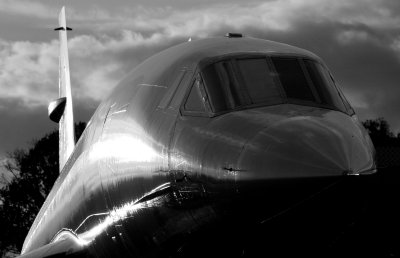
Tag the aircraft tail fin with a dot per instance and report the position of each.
(60, 110)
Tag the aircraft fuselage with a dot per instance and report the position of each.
(168, 166)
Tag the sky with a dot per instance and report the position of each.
(359, 40)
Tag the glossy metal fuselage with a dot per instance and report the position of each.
(147, 180)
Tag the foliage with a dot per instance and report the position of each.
(380, 133)
(33, 173)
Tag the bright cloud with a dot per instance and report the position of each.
(29, 71)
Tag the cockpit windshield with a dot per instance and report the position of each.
(245, 81)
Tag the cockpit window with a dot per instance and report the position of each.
(293, 79)
(195, 101)
(240, 82)
(324, 85)
(258, 80)
(216, 78)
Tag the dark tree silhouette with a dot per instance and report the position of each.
(380, 133)
(378, 127)
(32, 175)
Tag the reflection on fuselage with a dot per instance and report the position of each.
(114, 216)
(125, 148)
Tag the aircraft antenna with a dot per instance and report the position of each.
(60, 110)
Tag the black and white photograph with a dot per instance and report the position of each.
(199, 128)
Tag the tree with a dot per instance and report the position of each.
(33, 173)
(379, 131)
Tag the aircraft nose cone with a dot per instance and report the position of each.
(307, 146)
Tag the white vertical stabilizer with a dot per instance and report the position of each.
(66, 124)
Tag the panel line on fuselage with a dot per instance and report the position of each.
(152, 85)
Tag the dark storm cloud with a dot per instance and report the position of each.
(16, 120)
(21, 125)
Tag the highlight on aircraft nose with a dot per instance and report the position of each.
(307, 146)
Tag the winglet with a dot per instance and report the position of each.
(61, 109)
(56, 109)
(63, 28)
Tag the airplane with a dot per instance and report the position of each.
(225, 146)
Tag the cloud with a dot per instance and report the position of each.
(175, 18)
(27, 8)
(269, 15)
(184, 17)
(29, 70)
